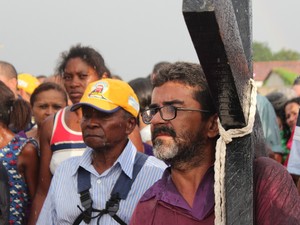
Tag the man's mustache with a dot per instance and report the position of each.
(163, 130)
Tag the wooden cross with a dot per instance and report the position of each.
(221, 34)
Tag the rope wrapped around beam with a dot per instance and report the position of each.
(219, 167)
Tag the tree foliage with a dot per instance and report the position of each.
(262, 52)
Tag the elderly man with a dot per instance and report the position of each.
(91, 188)
(184, 133)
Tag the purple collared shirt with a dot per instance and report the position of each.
(164, 190)
(276, 199)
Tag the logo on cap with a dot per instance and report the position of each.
(98, 90)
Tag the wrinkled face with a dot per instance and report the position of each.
(47, 103)
(291, 114)
(77, 76)
(103, 131)
(180, 139)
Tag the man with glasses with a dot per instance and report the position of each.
(184, 133)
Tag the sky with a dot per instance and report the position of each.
(131, 35)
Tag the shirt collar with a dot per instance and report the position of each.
(165, 190)
(125, 160)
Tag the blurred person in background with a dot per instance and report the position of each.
(143, 89)
(19, 155)
(293, 165)
(270, 127)
(41, 78)
(4, 195)
(291, 109)
(296, 86)
(45, 100)
(278, 101)
(9, 76)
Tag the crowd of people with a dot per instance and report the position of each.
(85, 147)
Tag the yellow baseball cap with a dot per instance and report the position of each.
(108, 95)
(27, 82)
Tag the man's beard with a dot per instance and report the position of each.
(185, 150)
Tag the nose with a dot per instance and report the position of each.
(50, 111)
(156, 119)
(292, 120)
(75, 81)
(90, 122)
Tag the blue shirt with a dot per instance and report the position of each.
(269, 124)
(60, 206)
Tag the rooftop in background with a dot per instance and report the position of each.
(263, 69)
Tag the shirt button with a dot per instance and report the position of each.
(98, 181)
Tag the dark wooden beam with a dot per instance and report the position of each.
(221, 33)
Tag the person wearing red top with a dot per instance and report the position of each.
(78, 67)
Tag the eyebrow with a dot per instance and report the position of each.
(173, 102)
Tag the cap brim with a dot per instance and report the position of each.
(80, 104)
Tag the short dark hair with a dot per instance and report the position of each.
(142, 87)
(88, 55)
(190, 74)
(46, 87)
(8, 70)
(278, 100)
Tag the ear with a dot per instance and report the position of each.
(131, 124)
(213, 129)
(104, 75)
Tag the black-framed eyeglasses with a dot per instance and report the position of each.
(167, 112)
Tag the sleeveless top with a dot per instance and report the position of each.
(64, 143)
(18, 189)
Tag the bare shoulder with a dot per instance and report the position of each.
(29, 149)
(73, 119)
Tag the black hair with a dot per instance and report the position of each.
(46, 87)
(142, 87)
(14, 113)
(278, 100)
(89, 55)
(292, 100)
(143, 90)
(190, 74)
